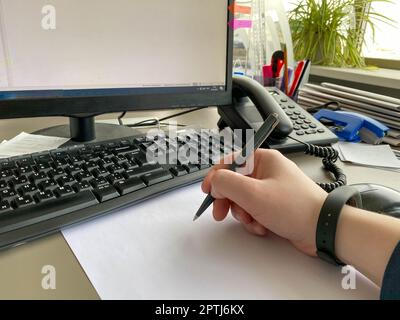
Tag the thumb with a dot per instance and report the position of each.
(242, 190)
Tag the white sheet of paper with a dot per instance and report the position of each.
(368, 155)
(154, 251)
(26, 143)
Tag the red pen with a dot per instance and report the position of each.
(297, 76)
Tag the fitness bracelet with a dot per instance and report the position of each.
(328, 220)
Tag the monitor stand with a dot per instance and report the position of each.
(84, 129)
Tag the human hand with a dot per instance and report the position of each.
(277, 196)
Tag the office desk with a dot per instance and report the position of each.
(21, 268)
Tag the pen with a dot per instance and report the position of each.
(286, 71)
(261, 135)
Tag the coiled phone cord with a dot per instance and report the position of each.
(329, 157)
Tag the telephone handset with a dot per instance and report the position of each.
(297, 131)
(246, 90)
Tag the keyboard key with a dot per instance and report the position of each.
(5, 207)
(105, 154)
(98, 182)
(119, 159)
(157, 177)
(115, 168)
(25, 161)
(126, 149)
(130, 165)
(23, 201)
(23, 170)
(83, 176)
(100, 173)
(19, 181)
(6, 165)
(80, 186)
(106, 162)
(63, 191)
(43, 158)
(7, 193)
(38, 177)
(6, 174)
(48, 184)
(73, 169)
(66, 181)
(178, 171)
(47, 210)
(91, 165)
(76, 161)
(105, 193)
(115, 177)
(142, 160)
(3, 184)
(28, 190)
(129, 185)
(60, 163)
(43, 196)
(56, 173)
(44, 167)
(59, 154)
(141, 171)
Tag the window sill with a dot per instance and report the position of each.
(385, 81)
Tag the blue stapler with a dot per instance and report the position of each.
(354, 127)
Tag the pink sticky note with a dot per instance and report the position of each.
(240, 24)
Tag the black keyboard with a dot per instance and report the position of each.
(45, 192)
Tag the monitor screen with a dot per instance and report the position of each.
(89, 48)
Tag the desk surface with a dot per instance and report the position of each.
(21, 268)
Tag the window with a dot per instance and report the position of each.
(386, 45)
(384, 50)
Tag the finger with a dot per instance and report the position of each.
(220, 209)
(224, 163)
(240, 214)
(242, 190)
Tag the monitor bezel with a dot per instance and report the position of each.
(100, 104)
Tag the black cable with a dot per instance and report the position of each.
(120, 118)
(181, 113)
(329, 156)
(151, 122)
(147, 123)
(326, 105)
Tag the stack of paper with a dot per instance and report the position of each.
(381, 156)
(379, 107)
(26, 143)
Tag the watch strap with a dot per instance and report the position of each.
(328, 220)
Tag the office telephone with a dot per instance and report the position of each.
(297, 131)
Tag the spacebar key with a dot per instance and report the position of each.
(46, 210)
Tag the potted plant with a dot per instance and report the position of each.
(331, 32)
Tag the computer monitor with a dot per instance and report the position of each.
(83, 58)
